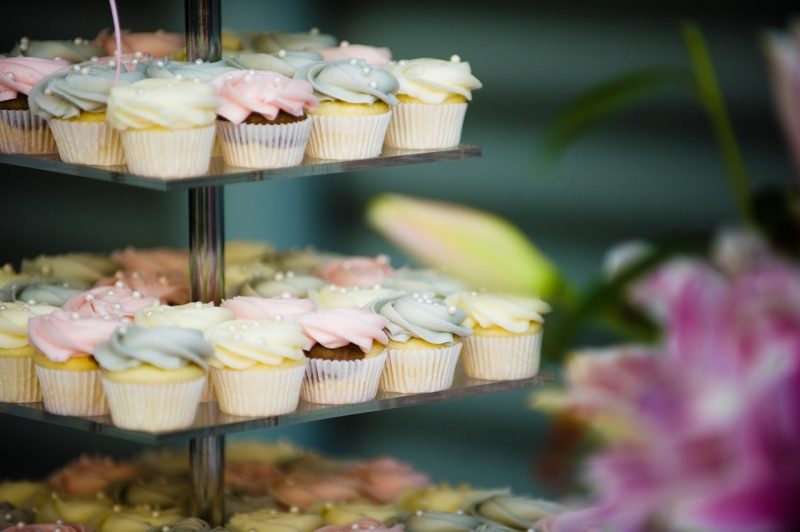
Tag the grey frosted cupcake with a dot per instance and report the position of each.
(284, 62)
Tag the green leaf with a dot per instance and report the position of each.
(604, 101)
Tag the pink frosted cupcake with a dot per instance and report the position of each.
(170, 288)
(91, 475)
(384, 479)
(114, 302)
(356, 271)
(67, 372)
(345, 355)
(275, 308)
(20, 130)
(373, 55)
(156, 44)
(263, 122)
(304, 490)
(158, 260)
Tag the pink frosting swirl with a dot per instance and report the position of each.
(48, 527)
(250, 476)
(109, 301)
(243, 92)
(171, 288)
(371, 54)
(304, 490)
(384, 479)
(157, 44)
(63, 335)
(90, 475)
(18, 75)
(259, 308)
(356, 271)
(362, 524)
(338, 327)
(160, 260)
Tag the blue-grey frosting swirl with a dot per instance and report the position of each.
(74, 51)
(38, 291)
(421, 315)
(274, 41)
(160, 68)
(350, 80)
(131, 346)
(284, 62)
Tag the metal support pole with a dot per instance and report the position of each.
(207, 263)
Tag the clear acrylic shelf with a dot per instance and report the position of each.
(221, 174)
(211, 422)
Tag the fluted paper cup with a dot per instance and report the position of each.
(422, 126)
(95, 143)
(338, 382)
(502, 358)
(153, 407)
(174, 153)
(420, 370)
(23, 132)
(18, 382)
(348, 137)
(72, 393)
(264, 145)
(208, 394)
(268, 392)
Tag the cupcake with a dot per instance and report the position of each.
(140, 519)
(260, 308)
(303, 261)
(362, 524)
(263, 122)
(153, 377)
(424, 281)
(246, 251)
(384, 479)
(68, 374)
(433, 98)
(79, 270)
(33, 291)
(190, 524)
(518, 513)
(275, 41)
(166, 126)
(198, 316)
(238, 274)
(91, 475)
(282, 284)
(48, 527)
(9, 276)
(333, 296)
(308, 490)
(284, 62)
(420, 521)
(344, 514)
(24, 493)
(444, 498)
(89, 511)
(159, 492)
(258, 366)
(356, 271)
(187, 70)
(506, 335)
(156, 260)
(170, 288)
(73, 101)
(112, 302)
(345, 355)
(18, 383)
(373, 55)
(354, 111)
(269, 520)
(157, 44)
(425, 342)
(20, 130)
(75, 50)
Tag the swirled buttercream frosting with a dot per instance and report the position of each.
(282, 284)
(196, 315)
(242, 344)
(14, 317)
(271, 520)
(434, 80)
(259, 308)
(245, 92)
(157, 44)
(284, 62)
(423, 316)
(36, 291)
(362, 524)
(424, 281)
(275, 41)
(373, 55)
(516, 512)
(63, 335)
(166, 103)
(18, 75)
(188, 70)
(77, 269)
(109, 301)
(338, 327)
(356, 271)
(351, 81)
(512, 313)
(332, 296)
(74, 51)
(163, 347)
(159, 260)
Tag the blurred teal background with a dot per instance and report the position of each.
(651, 173)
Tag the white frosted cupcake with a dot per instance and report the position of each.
(283, 284)
(354, 111)
(18, 383)
(345, 354)
(506, 335)
(258, 366)
(433, 97)
(68, 374)
(73, 101)
(153, 377)
(167, 126)
(425, 342)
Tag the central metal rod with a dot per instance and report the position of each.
(207, 267)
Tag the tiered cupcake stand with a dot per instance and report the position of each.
(206, 436)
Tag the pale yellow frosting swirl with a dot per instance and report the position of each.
(241, 344)
(14, 322)
(165, 103)
(434, 80)
(512, 313)
(199, 316)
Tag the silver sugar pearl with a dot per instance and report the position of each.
(281, 53)
(366, 71)
(373, 85)
(455, 58)
(198, 61)
(344, 44)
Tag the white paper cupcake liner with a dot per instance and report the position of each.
(502, 358)
(338, 382)
(208, 394)
(177, 153)
(420, 370)
(270, 392)
(422, 126)
(153, 407)
(216, 149)
(93, 143)
(348, 137)
(23, 132)
(72, 393)
(264, 145)
(18, 383)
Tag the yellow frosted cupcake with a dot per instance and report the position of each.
(258, 366)
(272, 520)
(18, 383)
(153, 377)
(354, 110)
(167, 126)
(506, 335)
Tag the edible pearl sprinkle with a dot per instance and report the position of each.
(281, 53)
(198, 61)
(455, 58)
(373, 85)
(344, 44)
(366, 71)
